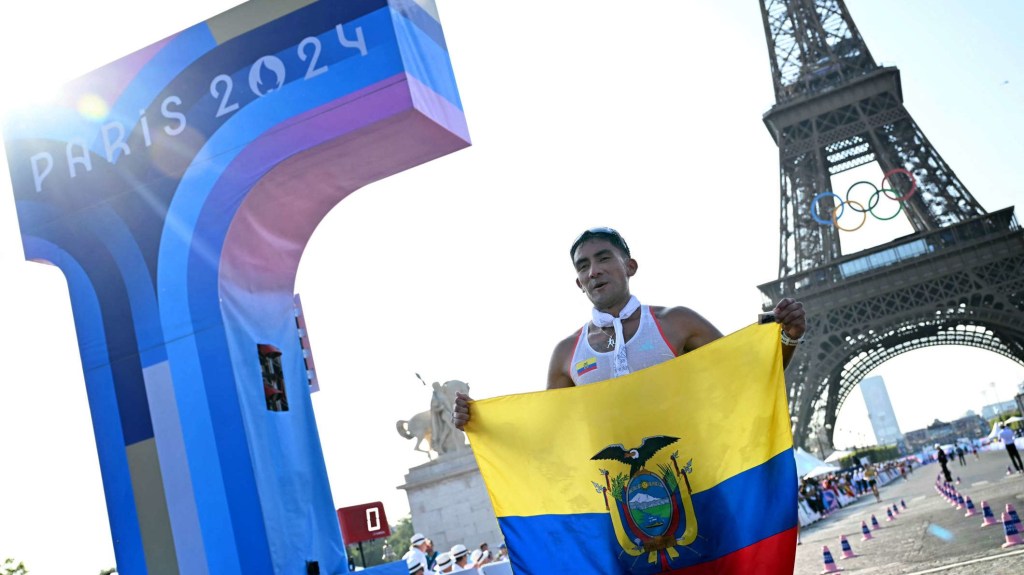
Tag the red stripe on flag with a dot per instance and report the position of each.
(765, 556)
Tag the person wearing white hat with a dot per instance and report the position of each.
(415, 567)
(460, 555)
(417, 550)
(444, 563)
(479, 558)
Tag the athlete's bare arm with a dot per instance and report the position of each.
(558, 376)
(558, 369)
(684, 329)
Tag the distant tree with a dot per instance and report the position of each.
(380, 551)
(10, 568)
(398, 542)
(373, 551)
(877, 453)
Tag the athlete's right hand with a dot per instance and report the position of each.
(460, 412)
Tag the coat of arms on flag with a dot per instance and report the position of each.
(653, 513)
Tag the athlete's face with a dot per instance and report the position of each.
(603, 272)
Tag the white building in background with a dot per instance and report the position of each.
(883, 418)
(993, 409)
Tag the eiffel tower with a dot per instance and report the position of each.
(958, 279)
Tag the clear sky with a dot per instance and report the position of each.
(645, 119)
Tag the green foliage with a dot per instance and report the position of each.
(398, 541)
(619, 486)
(994, 422)
(669, 476)
(848, 461)
(875, 454)
(9, 567)
(380, 551)
(372, 550)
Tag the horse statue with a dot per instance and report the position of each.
(435, 426)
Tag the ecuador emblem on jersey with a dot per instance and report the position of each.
(653, 514)
(586, 366)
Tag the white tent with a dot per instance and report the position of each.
(821, 470)
(837, 455)
(805, 462)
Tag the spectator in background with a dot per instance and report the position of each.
(479, 558)
(444, 563)
(415, 567)
(502, 552)
(1006, 434)
(461, 556)
(944, 462)
(813, 497)
(416, 552)
(428, 550)
(960, 455)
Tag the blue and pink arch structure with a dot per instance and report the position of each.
(176, 189)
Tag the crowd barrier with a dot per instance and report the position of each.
(499, 568)
(807, 516)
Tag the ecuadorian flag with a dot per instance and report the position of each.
(684, 467)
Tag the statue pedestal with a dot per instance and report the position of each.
(449, 502)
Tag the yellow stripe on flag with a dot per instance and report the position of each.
(726, 402)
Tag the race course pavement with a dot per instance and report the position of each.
(930, 536)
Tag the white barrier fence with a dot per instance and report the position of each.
(808, 516)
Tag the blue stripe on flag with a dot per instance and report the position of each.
(738, 512)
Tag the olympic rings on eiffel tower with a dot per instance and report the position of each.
(873, 201)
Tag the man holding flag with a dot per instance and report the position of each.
(674, 493)
(594, 353)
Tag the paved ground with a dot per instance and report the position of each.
(930, 536)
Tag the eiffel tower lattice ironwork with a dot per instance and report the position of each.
(958, 279)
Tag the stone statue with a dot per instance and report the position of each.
(435, 426)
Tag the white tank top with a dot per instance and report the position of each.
(647, 347)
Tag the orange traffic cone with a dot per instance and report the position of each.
(970, 508)
(830, 564)
(903, 503)
(959, 501)
(865, 532)
(986, 515)
(888, 513)
(874, 523)
(1010, 530)
(847, 550)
